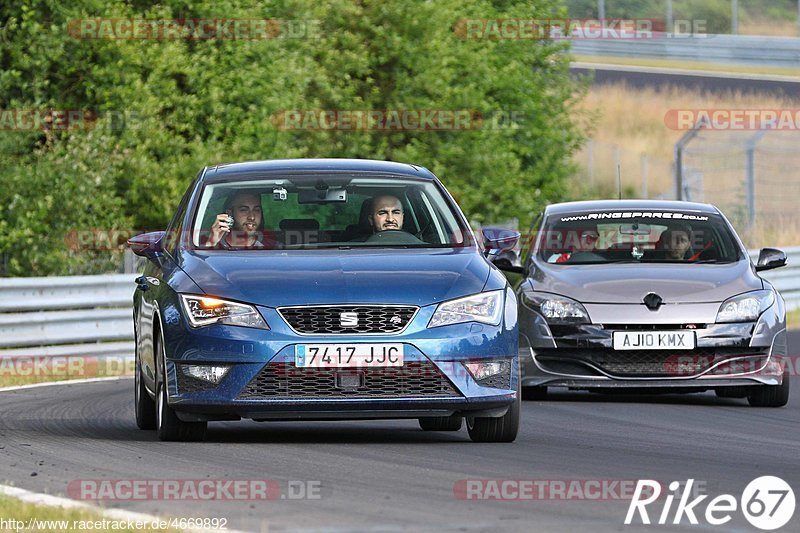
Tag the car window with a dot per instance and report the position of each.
(172, 237)
(313, 211)
(640, 236)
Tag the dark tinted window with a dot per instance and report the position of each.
(640, 236)
(329, 211)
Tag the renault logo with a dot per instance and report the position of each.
(348, 319)
(653, 301)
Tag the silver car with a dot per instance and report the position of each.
(651, 295)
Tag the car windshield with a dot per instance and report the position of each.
(640, 236)
(327, 211)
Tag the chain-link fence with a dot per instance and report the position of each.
(640, 175)
(752, 176)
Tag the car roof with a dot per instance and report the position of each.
(229, 170)
(610, 205)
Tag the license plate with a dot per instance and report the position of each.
(654, 340)
(347, 355)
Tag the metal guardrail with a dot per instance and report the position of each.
(712, 48)
(67, 316)
(91, 315)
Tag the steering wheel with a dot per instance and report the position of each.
(393, 236)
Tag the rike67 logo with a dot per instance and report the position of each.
(767, 503)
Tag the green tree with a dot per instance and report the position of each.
(169, 107)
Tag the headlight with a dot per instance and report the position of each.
(486, 307)
(203, 310)
(745, 307)
(557, 309)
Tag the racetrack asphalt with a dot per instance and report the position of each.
(390, 475)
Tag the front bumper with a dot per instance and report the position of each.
(582, 357)
(262, 382)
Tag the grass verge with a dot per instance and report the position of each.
(630, 127)
(39, 369)
(16, 516)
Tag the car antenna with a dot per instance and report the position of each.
(619, 182)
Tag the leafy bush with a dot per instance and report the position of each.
(167, 108)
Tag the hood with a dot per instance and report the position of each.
(630, 283)
(307, 277)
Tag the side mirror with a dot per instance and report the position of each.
(496, 240)
(147, 244)
(498, 247)
(769, 258)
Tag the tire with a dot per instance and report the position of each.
(144, 405)
(441, 423)
(770, 395)
(732, 392)
(534, 393)
(168, 425)
(498, 429)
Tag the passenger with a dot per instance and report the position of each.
(586, 244)
(676, 242)
(386, 213)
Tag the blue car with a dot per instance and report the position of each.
(324, 290)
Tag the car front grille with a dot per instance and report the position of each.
(645, 363)
(285, 380)
(348, 319)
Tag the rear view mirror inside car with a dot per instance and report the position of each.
(634, 229)
(321, 196)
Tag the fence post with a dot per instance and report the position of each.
(617, 171)
(670, 24)
(679, 148)
(644, 176)
(750, 178)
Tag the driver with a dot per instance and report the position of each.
(386, 213)
(245, 210)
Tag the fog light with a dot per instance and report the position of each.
(211, 374)
(481, 371)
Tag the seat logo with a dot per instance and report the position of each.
(395, 320)
(348, 319)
